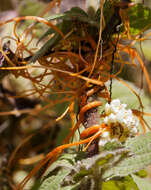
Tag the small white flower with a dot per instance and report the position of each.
(134, 130)
(115, 103)
(106, 119)
(105, 134)
(117, 114)
(107, 109)
(112, 118)
(124, 106)
(114, 110)
(102, 142)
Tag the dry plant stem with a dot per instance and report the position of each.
(89, 80)
(91, 117)
(81, 118)
(99, 40)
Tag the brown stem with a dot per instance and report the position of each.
(91, 117)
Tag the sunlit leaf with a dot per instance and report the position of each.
(54, 182)
(64, 161)
(125, 183)
(143, 184)
(139, 158)
(110, 185)
(140, 145)
(140, 17)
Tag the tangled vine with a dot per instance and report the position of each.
(78, 60)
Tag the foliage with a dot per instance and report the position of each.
(140, 16)
(141, 183)
(72, 73)
(119, 160)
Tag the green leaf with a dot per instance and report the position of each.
(78, 10)
(142, 183)
(92, 166)
(129, 166)
(48, 32)
(125, 183)
(64, 161)
(62, 16)
(140, 145)
(56, 16)
(48, 45)
(55, 176)
(140, 18)
(30, 7)
(139, 158)
(142, 173)
(103, 158)
(65, 27)
(110, 185)
(54, 182)
(78, 14)
(74, 13)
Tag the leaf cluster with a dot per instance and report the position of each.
(116, 166)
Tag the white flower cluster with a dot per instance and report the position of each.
(121, 121)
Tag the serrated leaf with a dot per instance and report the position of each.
(93, 166)
(142, 183)
(129, 166)
(64, 161)
(111, 145)
(140, 18)
(140, 157)
(140, 144)
(125, 183)
(54, 182)
(103, 158)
